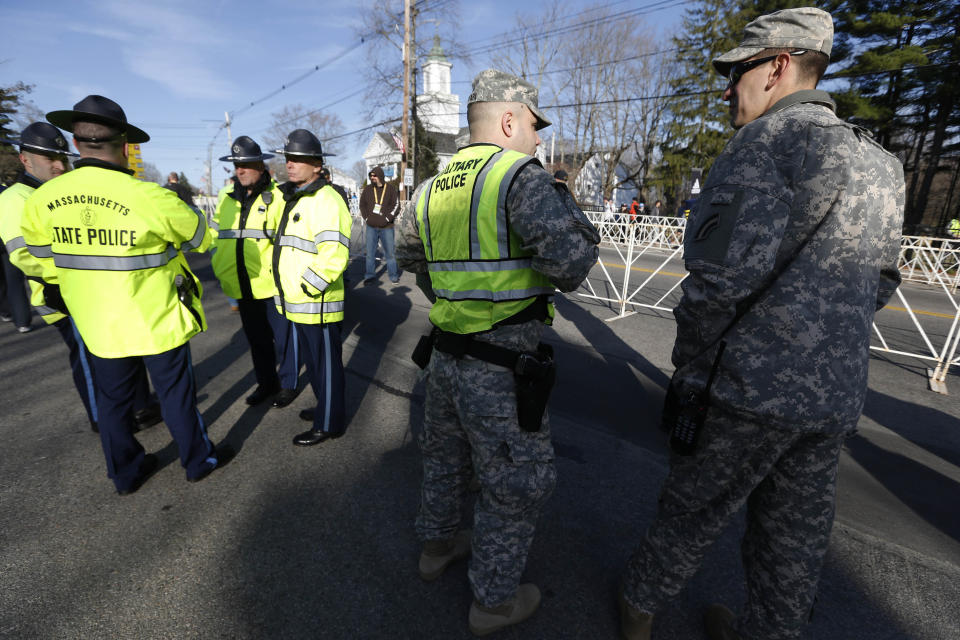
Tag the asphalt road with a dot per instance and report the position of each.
(287, 542)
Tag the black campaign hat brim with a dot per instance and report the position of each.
(33, 148)
(305, 155)
(261, 158)
(66, 117)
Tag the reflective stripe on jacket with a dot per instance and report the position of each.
(311, 252)
(115, 246)
(252, 225)
(12, 201)
(478, 269)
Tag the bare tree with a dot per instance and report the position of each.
(297, 116)
(27, 113)
(359, 172)
(383, 31)
(152, 174)
(603, 74)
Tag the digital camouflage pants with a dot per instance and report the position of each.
(470, 425)
(788, 481)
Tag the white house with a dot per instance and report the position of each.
(439, 112)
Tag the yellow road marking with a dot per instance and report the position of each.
(919, 312)
(666, 273)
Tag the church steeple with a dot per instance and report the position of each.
(439, 110)
(436, 70)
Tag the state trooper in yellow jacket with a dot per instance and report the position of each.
(44, 153)
(311, 251)
(113, 246)
(490, 238)
(245, 220)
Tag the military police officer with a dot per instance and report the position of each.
(113, 247)
(245, 220)
(44, 153)
(791, 250)
(490, 238)
(310, 255)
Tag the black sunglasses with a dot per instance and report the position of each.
(737, 70)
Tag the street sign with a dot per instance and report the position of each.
(408, 178)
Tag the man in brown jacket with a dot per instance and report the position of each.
(379, 206)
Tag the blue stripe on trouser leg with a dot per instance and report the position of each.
(172, 375)
(116, 380)
(322, 352)
(80, 366)
(286, 345)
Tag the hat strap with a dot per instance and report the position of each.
(119, 136)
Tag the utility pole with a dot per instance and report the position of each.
(413, 95)
(405, 122)
(229, 135)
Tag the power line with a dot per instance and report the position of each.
(659, 5)
(519, 30)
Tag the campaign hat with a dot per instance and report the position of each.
(806, 28)
(301, 142)
(96, 108)
(41, 137)
(492, 85)
(245, 149)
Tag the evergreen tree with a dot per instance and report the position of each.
(425, 161)
(10, 100)
(700, 122)
(897, 57)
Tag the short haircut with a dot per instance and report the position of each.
(173, 176)
(810, 66)
(482, 114)
(107, 138)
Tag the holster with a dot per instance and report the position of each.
(424, 349)
(187, 292)
(534, 375)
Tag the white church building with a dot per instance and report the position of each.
(439, 113)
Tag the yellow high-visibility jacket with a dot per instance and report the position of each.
(12, 201)
(311, 251)
(115, 247)
(478, 270)
(245, 235)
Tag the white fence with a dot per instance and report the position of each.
(933, 262)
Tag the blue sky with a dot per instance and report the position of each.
(177, 66)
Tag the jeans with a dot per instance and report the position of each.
(385, 237)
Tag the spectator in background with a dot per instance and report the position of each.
(379, 206)
(325, 172)
(182, 190)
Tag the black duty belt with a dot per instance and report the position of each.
(459, 345)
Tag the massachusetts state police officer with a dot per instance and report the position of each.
(113, 247)
(490, 238)
(244, 221)
(311, 251)
(44, 153)
(791, 250)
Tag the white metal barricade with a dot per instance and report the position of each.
(933, 262)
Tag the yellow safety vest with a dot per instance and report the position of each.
(115, 246)
(250, 231)
(311, 251)
(12, 201)
(478, 270)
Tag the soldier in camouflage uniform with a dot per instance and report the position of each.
(791, 251)
(471, 416)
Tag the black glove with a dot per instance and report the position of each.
(53, 299)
